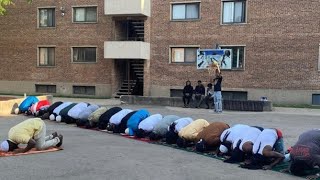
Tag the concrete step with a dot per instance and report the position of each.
(123, 93)
(137, 65)
(124, 90)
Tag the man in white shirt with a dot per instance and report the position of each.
(230, 137)
(147, 125)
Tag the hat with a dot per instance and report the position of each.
(16, 111)
(223, 149)
(52, 117)
(4, 146)
(127, 131)
(58, 118)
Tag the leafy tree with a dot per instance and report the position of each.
(4, 3)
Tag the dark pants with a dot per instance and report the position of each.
(186, 98)
(199, 99)
(208, 99)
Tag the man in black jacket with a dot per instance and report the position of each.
(199, 92)
(187, 93)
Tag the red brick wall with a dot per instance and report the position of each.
(20, 37)
(281, 37)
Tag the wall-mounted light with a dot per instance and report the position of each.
(62, 10)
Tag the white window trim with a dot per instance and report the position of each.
(84, 6)
(84, 47)
(184, 2)
(38, 16)
(244, 57)
(180, 46)
(230, 24)
(38, 56)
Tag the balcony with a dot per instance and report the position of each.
(126, 50)
(127, 7)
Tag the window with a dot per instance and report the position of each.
(46, 56)
(85, 14)
(47, 17)
(84, 90)
(315, 99)
(46, 88)
(237, 59)
(183, 55)
(188, 11)
(234, 11)
(84, 54)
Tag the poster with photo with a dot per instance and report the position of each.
(205, 57)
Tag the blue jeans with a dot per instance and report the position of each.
(217, 101)
(279, 146)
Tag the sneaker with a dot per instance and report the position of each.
(55, 134)
(61, 139)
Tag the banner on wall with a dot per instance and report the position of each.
(205, 57)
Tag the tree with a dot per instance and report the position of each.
(4, 3)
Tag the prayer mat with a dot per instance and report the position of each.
(32, 151)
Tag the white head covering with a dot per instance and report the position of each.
(4, 146)
(126, 131)
(52, 117)
(58, 118)
(223, 149)
(16, 111)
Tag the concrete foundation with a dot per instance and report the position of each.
(277, 96)
(62, 89)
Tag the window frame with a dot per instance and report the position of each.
(84, 86)
(185, 3)
(47, 85)
(184, 47)
(84, 22)
(234, 23)
(244, 57)
(38, 56)
(86, 62)
(38, 17)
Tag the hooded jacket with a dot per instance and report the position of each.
(188, 89)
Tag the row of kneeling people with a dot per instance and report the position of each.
(258, 147)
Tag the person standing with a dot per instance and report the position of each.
(209, 98)
(187, 94)
(199, 94)
(217, 93)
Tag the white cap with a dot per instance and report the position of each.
(223, 149)
(287, 158)
(16, 111)
(51, 117)
(58, 118)
(126, 131)
(4, 147)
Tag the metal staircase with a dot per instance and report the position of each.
(127, 86)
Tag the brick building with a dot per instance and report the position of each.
(102, 48)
